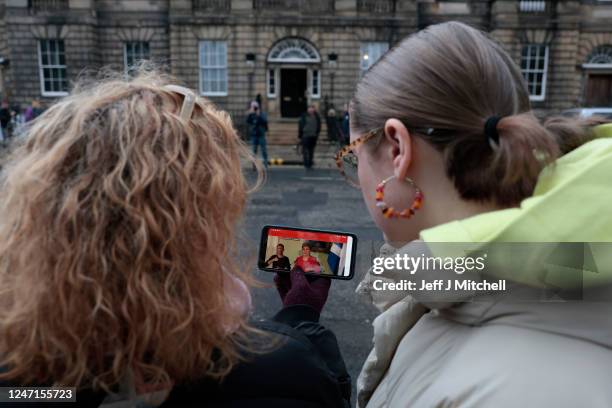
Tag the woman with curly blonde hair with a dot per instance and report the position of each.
(117, 248)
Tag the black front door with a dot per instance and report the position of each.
(293, 92)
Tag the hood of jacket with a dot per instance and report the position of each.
(570, 203)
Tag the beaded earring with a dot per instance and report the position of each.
(390, 212)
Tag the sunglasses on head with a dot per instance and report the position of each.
(189, 99)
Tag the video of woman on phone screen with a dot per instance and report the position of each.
(314, 252)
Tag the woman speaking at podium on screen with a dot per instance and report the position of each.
(307, 262)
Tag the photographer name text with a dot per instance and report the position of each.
(442, 285)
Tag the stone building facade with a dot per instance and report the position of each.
(292, 52)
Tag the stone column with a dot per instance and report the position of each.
(563, 75)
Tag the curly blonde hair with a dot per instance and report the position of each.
(117, 237)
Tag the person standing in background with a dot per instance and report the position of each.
(33, 111)
(5, 120)
(309, 129)
(257, 126)
(345, 125)
(334, 132)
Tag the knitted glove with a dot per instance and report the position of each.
(298, 289)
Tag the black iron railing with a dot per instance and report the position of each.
(303, 6)
(376, 6)
(212, 5)
(47, 5)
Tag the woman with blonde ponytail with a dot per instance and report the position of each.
(453, 163)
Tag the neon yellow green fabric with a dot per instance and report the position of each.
(603, 130)
(572, 202)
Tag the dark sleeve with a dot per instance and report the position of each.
(5, 117)
(305, 319)
(301, 127)
(264, 121)
(318, 123)
(345, 126)
(286, 264)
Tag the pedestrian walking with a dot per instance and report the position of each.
(309, 128)
(334, 131)
(257, 126)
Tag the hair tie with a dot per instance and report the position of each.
(490, 130)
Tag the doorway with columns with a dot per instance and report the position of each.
(293, 77)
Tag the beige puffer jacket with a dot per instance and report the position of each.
(489, 353)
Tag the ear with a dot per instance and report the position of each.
(401, 147)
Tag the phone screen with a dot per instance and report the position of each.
(317, 252)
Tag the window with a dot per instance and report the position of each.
(294, 50)
(600, 57)
(135, 52)
(213, 68)
(532, 6)
(315, 88)
(52, 67)
(534, 65)
(371, 52)
(271, 83)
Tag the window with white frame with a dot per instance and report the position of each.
(135, 52)
(599, 57)
(534, 65)
(52, 68)
(532, 6)
(213, 68)
(271, 83)
(370, 53)
(315, 84)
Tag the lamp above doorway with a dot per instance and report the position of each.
(333, 59)
(250, 59)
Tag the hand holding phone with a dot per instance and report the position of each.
(297, 289)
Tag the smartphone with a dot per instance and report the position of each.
(318, 252)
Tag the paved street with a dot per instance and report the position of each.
(319, 199)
